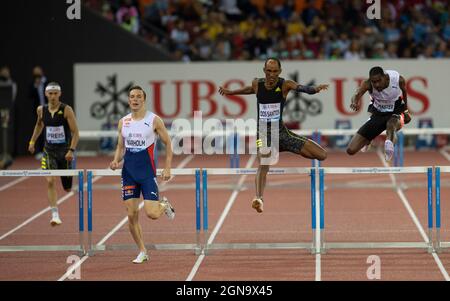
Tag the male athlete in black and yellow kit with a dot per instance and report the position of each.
(61, 138)
(271, 93)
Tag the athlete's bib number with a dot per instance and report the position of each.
(269, 112)
(55, 134)
(384, 105)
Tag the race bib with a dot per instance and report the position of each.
(55, 134)
(269, 112)
(384, 105)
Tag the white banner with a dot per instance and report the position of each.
(176, 90)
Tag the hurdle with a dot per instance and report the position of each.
(47, 173)
(103, 247)
(440, 245)
(428, 245)
(208, 246)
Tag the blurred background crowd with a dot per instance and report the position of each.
(202, 30)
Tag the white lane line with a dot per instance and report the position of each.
(414, 217)
(12, 183)
(445, 154)
(72, 268)
(318, 268)
(222, 217)
(60, 201)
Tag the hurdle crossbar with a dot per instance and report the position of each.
(103, 247)
(49, 173)
(251, 171)
(376, 170)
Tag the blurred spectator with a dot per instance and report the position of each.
(38, 98)
(6, 113)
(127, 16)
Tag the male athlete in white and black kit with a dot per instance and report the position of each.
(271, 93)
(388, 108)
(138, 132)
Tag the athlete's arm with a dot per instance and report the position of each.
(292, 85)
(71, 120)
(356, 98)
(406, 114)
(161, 130)
(243, 91)
(37, 129)
(118, 155)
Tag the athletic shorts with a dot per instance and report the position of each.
(54, 158)
(132, 188)
(288, 141)
(377, 124)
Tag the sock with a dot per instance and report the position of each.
(54, 210)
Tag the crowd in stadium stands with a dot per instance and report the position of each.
(194, 30)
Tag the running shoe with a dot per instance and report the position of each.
(169, 210)
(257, 204)
(388, 149)
(142, 256)
(55, 221)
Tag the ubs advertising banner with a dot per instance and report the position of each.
(177, 90)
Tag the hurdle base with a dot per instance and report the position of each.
(256, 246)
(49, 248)
(377, 245)
(442, 246)
(124, 247)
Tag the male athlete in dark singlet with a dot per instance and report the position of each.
(61, 138)
(271, 93)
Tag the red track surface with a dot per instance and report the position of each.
(366, 214)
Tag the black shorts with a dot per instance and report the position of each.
(376, 125)
(288, 141)
(54, 158)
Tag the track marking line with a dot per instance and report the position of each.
(59, 201)
(12, 183)
(222, 217)
(405, 202)
(445, 154)
(72, 268)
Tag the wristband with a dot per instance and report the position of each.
(31, 142)
(72, 150)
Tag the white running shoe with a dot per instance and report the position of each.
(388, 149)
(257, 204)
(169, 210)
(142, 256)
(55, 221)
(365, 148)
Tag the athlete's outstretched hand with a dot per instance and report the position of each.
(355, 105)
(224, 91)
(322, 87)
(114, 165)
(165, 174)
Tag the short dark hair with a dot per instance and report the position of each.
(136, 87)
(376, 71)
(272, 58)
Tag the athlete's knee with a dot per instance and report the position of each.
(392, 124)
(351, 151)
(67, 189)
(264, 168)
(51, 183)
(153, 213)
(321, 155)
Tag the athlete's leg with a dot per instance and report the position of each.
(132, 206)
(154, 204)
(394, 123)
(260, 182)
(356, 144)
(51, 191)
(313, 150)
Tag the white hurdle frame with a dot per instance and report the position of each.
(427, 170)
(440, 245)
(314, 246)
(52, 173)
(174, 172)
